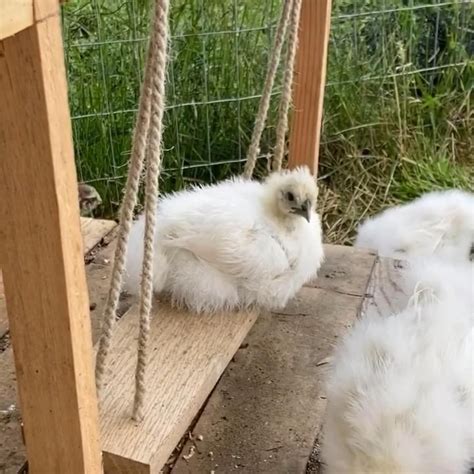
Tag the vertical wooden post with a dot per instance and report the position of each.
(43, 264)
(308, 88)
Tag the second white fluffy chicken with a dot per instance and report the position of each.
(438, 223)
(234, 244)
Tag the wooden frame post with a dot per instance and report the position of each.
(309, 83)
(42, 257)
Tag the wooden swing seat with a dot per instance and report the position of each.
(188, 353)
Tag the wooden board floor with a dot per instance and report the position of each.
(266, 410)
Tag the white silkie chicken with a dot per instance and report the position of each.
(401, 390)
(234, 244)
(437, 223)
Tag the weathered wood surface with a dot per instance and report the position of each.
(188, 354)
(15, 16)
(386, 294)
(345, 270)
(12, 450)
(94, 230)
(267, 409)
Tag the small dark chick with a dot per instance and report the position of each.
(89, 199)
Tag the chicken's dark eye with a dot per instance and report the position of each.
(290, 196)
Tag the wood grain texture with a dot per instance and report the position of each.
(12, 450)
(188, 354)
(386, 294)
(98, 273)
(43, 273)
(337, 275)
(43, 9)
(94, 230)
(15, 15)
(309, 83)
(268, 407)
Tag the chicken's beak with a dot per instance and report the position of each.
(304, 210)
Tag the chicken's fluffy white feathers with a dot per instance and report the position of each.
(233, 244)
(437, 223)
(401, 393)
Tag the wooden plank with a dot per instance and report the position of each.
(12, 450)
(188, 354)
(44, 273)
(15, 16)
(94, 230)
(267, 409)
(309, 82)
(98, 273)
(335, 275)
(386, 294)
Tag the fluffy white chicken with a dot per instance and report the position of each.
(234, 244)
(401, 391)
(438, 223)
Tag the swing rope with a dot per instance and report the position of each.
(146, 143)
(285, 101)
(289, 20)
(147, 150)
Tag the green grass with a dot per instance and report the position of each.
(398, 119)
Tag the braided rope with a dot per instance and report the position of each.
(126, 216)
(147, 144)
(160, 39)
(147, 138)
(262, 113)
(285, 101)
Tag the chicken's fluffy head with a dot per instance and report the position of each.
(292, 193)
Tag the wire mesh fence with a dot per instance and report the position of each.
(398, 73)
